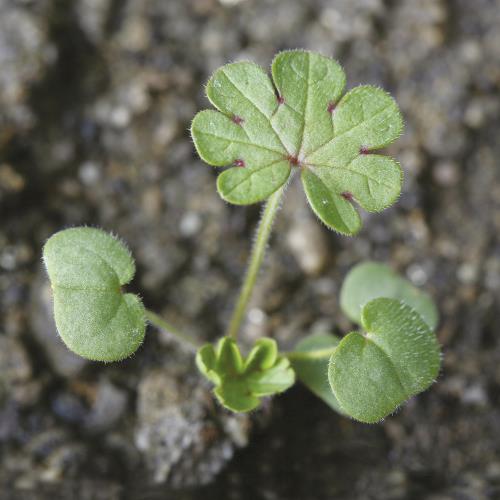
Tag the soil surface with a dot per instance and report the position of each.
(96, 97)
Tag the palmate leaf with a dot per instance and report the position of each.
(301, 122)
(87, 268)
(398, 357)
(370, 280)
(241, 382)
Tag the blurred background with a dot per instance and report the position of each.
(96, 97)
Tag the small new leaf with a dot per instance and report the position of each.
(87, 268)
(241, 382)
(370, 280)
(372, 374)
(264, 131)
(310, 361)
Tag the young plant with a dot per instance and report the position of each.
(265, 131)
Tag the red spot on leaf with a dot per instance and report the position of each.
(239, 162)
(331, 107)
(347, 196)
(237, 119)
(364, 150)
(293, 160)
(280, 99)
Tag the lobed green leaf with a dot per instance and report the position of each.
(241, 382)
(265, 131)
(372, 374)
(87, 268)
(370, 280)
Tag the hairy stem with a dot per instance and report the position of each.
(261, 239)
(161, 324)
(315, 354)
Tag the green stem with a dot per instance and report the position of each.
(316, 354)
(262, 237)
(161, 324)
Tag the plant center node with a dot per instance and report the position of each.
(294, 161)
(237, 119)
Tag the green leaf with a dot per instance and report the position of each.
(331, 208)
(310, 362)
(240, 382)
(234, 395)
(370, 280)
(262, 356)
(264, 131)
(229, 362)
(87, 268)
(372, 374)
(206, 361)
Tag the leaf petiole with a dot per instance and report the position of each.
(261, 239)
(161, 324)
(316, 354)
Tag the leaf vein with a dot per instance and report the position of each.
(251, 173)
(363, 175)
(236, 141)
(306, 105)
(348, 130)
(256, 107)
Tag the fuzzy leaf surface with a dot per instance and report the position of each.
(87, 268)
(371, 375)
(241, 382)
(264, 129)
(370, 280)
(313, 371)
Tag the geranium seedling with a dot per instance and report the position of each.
(264, 130)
